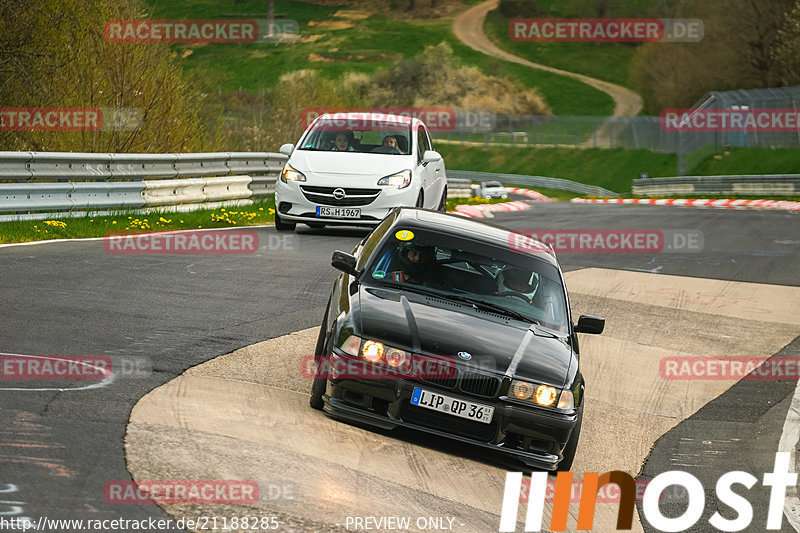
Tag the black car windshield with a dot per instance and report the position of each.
(472, 272)
(358, 132)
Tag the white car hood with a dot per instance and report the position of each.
(349, 163)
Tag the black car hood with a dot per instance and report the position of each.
(435, 326)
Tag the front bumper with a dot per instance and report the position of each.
(533, 436)
(292, 205)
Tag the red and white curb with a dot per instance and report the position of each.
(533, 195)
(705, 204)
(488, 210)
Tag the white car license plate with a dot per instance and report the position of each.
(452, 406)
(338, 212)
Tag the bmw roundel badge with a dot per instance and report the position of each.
(466, 356)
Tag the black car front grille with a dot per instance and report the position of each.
(445, 383)
(352, 196)
(449, 423)
(479, 384)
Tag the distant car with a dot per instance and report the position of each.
(438, 324)
(346, 171)
(493, 189)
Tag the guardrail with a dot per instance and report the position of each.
(769, 185)
(46, 184)
(69, 166)
(532, 181)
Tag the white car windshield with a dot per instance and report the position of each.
(354, 133)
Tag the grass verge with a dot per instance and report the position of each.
(130, 222)
(261, 211)
(749, 161)
(613, 169)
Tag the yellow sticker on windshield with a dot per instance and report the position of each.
(404, 235)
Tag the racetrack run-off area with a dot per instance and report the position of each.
(252, 408)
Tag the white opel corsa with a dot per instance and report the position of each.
(355, 168)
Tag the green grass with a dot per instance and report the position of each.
(130, 222)
(749, 161)
(613, 169)
(604, 61)
(565, 96)
(370, 44)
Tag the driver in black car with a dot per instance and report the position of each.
(518, 282)
(418, 264)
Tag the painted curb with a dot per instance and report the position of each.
(773, 205)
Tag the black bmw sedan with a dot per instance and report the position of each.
(458, 328)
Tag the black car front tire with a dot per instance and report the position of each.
(565, 465)
(320, 385)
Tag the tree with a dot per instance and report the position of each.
(737, 52)
(786, 52)
(53, 54)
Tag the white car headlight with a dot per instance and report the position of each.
(401, 180)
(290, 174)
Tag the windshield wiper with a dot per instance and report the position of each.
(494, 307)
(409, 288)
(474, 302)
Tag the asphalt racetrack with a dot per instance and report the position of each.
(179, 411)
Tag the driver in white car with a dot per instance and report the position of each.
(391, 141)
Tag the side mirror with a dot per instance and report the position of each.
(431, 156)
(593, 325)
(287, 149)
(344, 262)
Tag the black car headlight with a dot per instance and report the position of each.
(375, 351)
(542, 395)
